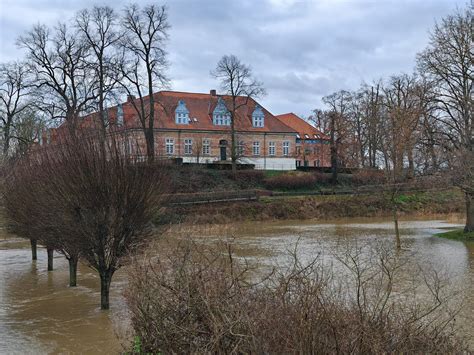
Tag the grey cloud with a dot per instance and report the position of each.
(302, 50)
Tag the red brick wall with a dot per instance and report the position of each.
(214, 137)
(312, 152)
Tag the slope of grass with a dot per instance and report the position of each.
(457, 234)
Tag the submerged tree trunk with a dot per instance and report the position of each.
(72, 271)
(50, 252)
(397, 231)
(469, 213)
(34, 254)
(105, 280)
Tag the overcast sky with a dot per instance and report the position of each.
(301, 50)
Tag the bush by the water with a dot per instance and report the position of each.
(291, 181)
(195, 299)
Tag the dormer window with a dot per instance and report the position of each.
(258, 117)
(221, 115)
(181, 113)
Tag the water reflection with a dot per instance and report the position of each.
(39, 313)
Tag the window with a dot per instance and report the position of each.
(206, 147)
(240, 148)
(258, 117)
(220, 115)
(256, 148)
(286, 148)
(271, 148)
(188, 146)
(181, 113)
(169, 144)
(316, 163)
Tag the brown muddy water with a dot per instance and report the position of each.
(39, 313)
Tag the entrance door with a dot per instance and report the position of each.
(223, 146)
(223, 153)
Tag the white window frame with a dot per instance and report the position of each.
(188, 146)
(169, 146)
(258, 121)
(271, 148)
(286, 148)
(206, 146)
(256, 148)
(240, 148)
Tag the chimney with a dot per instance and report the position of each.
(130, 98)
(213, 92)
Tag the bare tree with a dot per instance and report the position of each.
(448, 61)
(335, 123)
(145, 32)
(58, 60)
(237, 81)
(14, 91)
(402, 100)
(86, 201)
(99, 29)
(27, 130)
(370, 101)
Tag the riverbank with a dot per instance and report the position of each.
(457, 234)
(415, 204)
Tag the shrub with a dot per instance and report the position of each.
(196, 299)
(368, 177)
(322, 178)
(247, 178)
(291, 181)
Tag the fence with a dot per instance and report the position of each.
(212, 197)
(253, 195)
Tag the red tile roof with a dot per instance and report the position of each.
(201, 107)
(303, 128)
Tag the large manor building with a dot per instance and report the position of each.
(196, 128)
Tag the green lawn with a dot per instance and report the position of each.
(457, 234)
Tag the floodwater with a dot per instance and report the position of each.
(39, 313)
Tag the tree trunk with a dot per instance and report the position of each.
(233, 145)
(50, 252)
(105, 280)
(411, 163)
(150, 145)
(469, 213)
(34, 255)
(72, 271)
(151, 119)
(333, 150)
(397, 231)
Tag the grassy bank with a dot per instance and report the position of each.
(457, 234)
(316, 207)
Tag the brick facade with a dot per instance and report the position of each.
(273, 151)
(312, 146)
